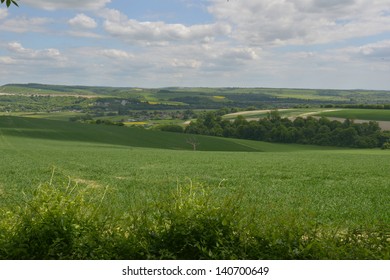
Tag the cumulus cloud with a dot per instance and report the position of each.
(69, 4)
(378, 51)
(3, 13)
(6, 60)
(23, 53)
(84, 34)
(83, 21)
(24, 24)
(115, 54)
(118, 25)
(133, 30)
(302, 21)
(185, 63)
(381, 49)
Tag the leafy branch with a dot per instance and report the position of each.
(9, 2)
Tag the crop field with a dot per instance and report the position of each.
(283, 201)
(360, 114)
(59, 116)
(284, 113)
(224, 95)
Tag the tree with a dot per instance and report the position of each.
(9, 2)
(193, 142)
(171, 128)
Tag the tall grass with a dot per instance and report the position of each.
(194, 221)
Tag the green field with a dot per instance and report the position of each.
(297, 201)
(359, 114)
(284, 113)
(201, 95)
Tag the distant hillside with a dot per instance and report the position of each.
(135, 137)
(202, 97)
(42, 89)
(31, 128)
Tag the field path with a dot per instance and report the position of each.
(316, 112)
(255, 112)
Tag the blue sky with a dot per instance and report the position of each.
(341, 44)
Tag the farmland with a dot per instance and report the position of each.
(359, 114)
(77, 183)
(286, 201)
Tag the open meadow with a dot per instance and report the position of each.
(116, 192)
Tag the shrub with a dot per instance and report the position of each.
(385, 146)
(171, 128)
(193, 222)
(194, 225)
(57, 223)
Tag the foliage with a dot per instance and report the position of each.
(171, 128)
(106, 122)
(308, 130)
(288, 202)
(386, 146)
(9, 2)
(59, 222)
(189, 223)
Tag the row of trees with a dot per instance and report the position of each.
(308, 130)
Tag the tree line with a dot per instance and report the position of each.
(310, 130)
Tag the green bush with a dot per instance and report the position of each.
(171, 128)
(386, 146)
(57, 223)
(193, 222)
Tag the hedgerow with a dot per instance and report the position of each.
(69, 221)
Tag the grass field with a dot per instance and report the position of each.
(359, 114)
(297, 199)
(58, 116)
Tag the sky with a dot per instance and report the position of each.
(335, 44)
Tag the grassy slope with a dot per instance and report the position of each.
(32, 128)
(287, 183)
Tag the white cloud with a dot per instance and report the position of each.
(68, 4)
(6, 60)
(83, 21)
(237, 45)
(378, 51)
(158, 32)
(3, 13)
(115, 54)
(23, 24)
(22, 53)
(112, 15)
(84, 34)
(302, 21)
(185, 63)
(132, 30)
